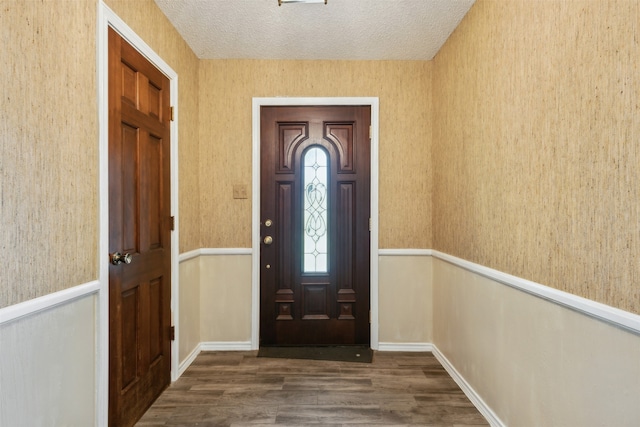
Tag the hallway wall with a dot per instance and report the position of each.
(224, 302)
(534, 362)
(48, 211)
(48, 367)
(404, 90)
(535, 153)
(539, 87)
(49, 287)
(48, 141)
(536, 123)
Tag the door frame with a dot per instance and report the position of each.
(257, 103)
(107, 18)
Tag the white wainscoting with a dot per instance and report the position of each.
(47, 302)
(453, 359)
(48, 365)
(469, 391)
(591, 308)
(526, 354)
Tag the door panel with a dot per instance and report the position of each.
(315, 190)
(139, 213)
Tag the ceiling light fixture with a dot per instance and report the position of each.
(301, 1)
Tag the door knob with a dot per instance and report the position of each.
(117, 258)
(268, 240)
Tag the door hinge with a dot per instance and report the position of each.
(369, 131)
(172, 223)
(171, 116)
(369, 316)
(172, 333)
(370, 224)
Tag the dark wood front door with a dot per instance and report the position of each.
(139, 230)
(315, 210)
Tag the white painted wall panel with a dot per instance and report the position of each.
(405, 295)
(48, 367)
(535, 362)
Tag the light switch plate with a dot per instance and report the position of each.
(239, 191)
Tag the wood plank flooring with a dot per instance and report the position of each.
(239, 389)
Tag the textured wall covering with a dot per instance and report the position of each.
(535, 144)
(48, 147)
(227, 87)
(146, 19)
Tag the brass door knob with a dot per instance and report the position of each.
(268, 240)
(117, 258)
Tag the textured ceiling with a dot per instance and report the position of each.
(341, 29)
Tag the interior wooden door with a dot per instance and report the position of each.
(139, 233)
(315, 210)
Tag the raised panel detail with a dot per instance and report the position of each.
(289, 136)
(315, 301)
(284, 295)
(346, 311)
(284, 311)
(346, 295)
(284, 238)
(152, 197)
(155, 101)
(129, 326)
(155, 319)
(345, 246)
(129, 85)
(341, 134)
(130, 188)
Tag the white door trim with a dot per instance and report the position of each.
(107, 18)
(255, 240)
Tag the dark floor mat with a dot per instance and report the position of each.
(359, 354)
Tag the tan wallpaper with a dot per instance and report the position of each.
(227, 88)
(146, 19)
(48, 147)
(535, 144)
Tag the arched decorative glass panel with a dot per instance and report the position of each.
(315, 175)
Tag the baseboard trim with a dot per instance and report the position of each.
(189, 360)
(212, 346)
(46, 302)
(471, 394)
(405, 346)
(226, 346)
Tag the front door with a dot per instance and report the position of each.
(139, 233)
(315, 210)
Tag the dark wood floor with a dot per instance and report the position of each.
(240, 389)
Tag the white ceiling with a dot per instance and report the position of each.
(341, 29)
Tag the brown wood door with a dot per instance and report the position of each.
(139, 225)
(315, 208)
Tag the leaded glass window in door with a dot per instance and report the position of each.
(315, 183)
